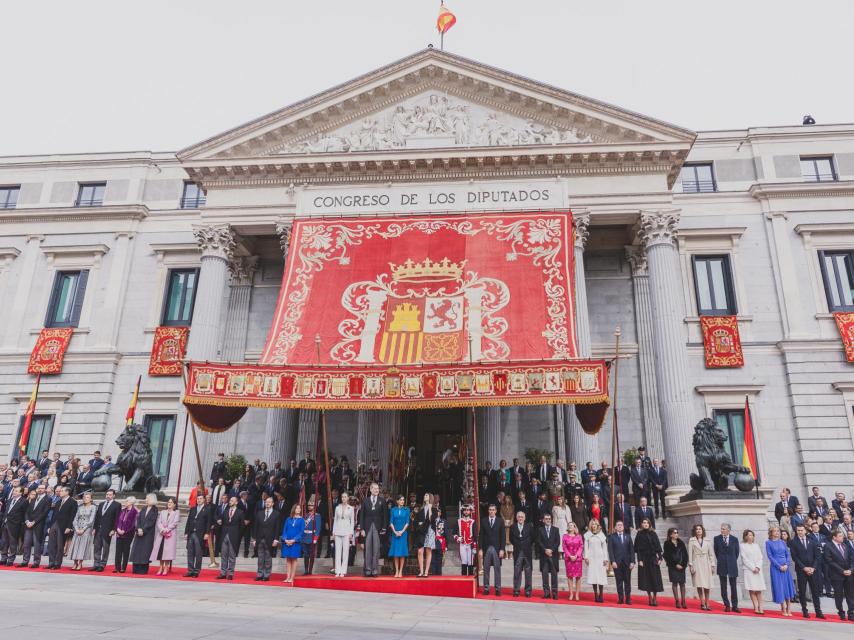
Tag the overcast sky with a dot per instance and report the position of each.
(160, 75)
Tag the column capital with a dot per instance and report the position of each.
(242, 269)
(658, 227)
(215, 240)
(582, 229)
(283, 230)
(636, 257)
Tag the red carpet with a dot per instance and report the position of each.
(448, 586)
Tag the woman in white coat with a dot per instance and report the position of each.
(751, 561)
(343, 527)
(596, 559)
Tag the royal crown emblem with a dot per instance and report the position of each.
(427, 271)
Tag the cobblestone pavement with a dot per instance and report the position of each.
(42, 605)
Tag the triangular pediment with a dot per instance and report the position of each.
(431, 100)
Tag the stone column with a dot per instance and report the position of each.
(308, 432)
(375, 432)
(581, 447)
(658, 230)
(242, 271)
(282, 424)
(488, 435)
(217, 244)
(646, 351)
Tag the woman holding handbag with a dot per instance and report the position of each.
(165, 541)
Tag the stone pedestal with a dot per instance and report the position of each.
(741, 511)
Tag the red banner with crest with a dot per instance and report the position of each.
(845, 324)
(414, 290)
(167, 351)
(722, 342)
(49, 351)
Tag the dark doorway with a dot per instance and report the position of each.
(437, 435)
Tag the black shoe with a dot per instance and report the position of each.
(819, 615)
(267, 579)
(189, 574)
(10, 563)
(628, 601)
(486, 591)
(736, 610)
(727, 608)
(527, 594)
(22, 565)
(34, 566)
(220, 577)
(546, 595)
(231, 577)
(515, 594)
(258, 578)
(842, 617)
(805, 614)
(92, 569)
(100, 569)
(498, 592)
(619, 600)
(116, 571)
(554, 596)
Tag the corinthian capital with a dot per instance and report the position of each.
(242, 269)
(636, 257)
(582, 231)
(658, 227)
(215, 240)
(283, 230)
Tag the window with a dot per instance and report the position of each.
(713, 285)
(698, 178)
(91, 195)
(66, 299)
(837, 269)
(818, 169)
(731, 422)
(9, 197)
(193, 196)
(180, 297)
(161, 432)
(41, 431)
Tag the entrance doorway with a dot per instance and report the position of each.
(437, 435)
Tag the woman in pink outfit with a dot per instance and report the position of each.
(165, 540)
(573, 556)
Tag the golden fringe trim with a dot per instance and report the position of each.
(394, 405)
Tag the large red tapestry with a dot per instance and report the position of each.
(167, 351)
(845, 324)
(722, 342)
(409, 387)
(412, 290)
(49, 351)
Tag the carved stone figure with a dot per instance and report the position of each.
(134, 463)
(713, 462)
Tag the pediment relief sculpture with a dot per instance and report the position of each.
(436, 120)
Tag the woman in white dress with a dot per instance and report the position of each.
(561, 516)
(342, 530)
(701, 564)
(81, 543)
(596, 558)
(751, 561)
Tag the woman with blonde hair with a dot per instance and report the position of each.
(561, 515)
(165, 546)
(701, 564)
(81, 543)
(596, 559)
(750, 560)
(125, 529)
(425, 534)
(572, 545)
(780, 559)
(343, 526)
(143, 542)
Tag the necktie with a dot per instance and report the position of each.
(621, 538)
(520, 529)
(231, 513)
(491, 521)
(804, 542)
(548, 531)
(266, 514)
(726, 541)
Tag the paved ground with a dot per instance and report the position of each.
(44, 605)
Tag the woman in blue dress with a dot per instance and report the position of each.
(291, 541)
(399, 547)
(780, 559)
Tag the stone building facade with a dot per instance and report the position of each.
(671, 223)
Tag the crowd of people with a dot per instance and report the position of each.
(556, 515)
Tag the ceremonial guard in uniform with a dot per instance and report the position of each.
(467, 539)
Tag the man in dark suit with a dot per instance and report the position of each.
(658, 486)
(44, 463)
(548, 540)
(491, 547)
(622, 474)
(726, 558)
(587, 472)
(196, 531)
(813, 498)
(232, 525)
(621, 554)
(787, 501)
(265, 537)
(96, 462)
(373, 521)
(805, 556)
(643, 510)
(544, 508)
(292, 472)
(61, 527)
(524, 505)
(219, 469)
(640, 481)
(13, 526)
(573, 488)
(34, 525)
(623, 512)
(84, 480)
(522, 539)
(246, 531)
(306, 465)
(543, 471)
(839, 563)
(645, 461)
(104, 528)
(837, 504)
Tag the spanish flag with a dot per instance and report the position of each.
(28, 417)
(132, 408)
(446, 19)
(748, 454)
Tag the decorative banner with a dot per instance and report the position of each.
(721, 342)
(167, 351)
(845, 324)
(411, 387)
(448, 289)
(49, 351)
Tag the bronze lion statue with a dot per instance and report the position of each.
(134, 462)
(713, 462)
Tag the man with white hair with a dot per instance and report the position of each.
(373, 520)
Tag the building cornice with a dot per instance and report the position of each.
(132, 212)
(771, 190)
(828, 227)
